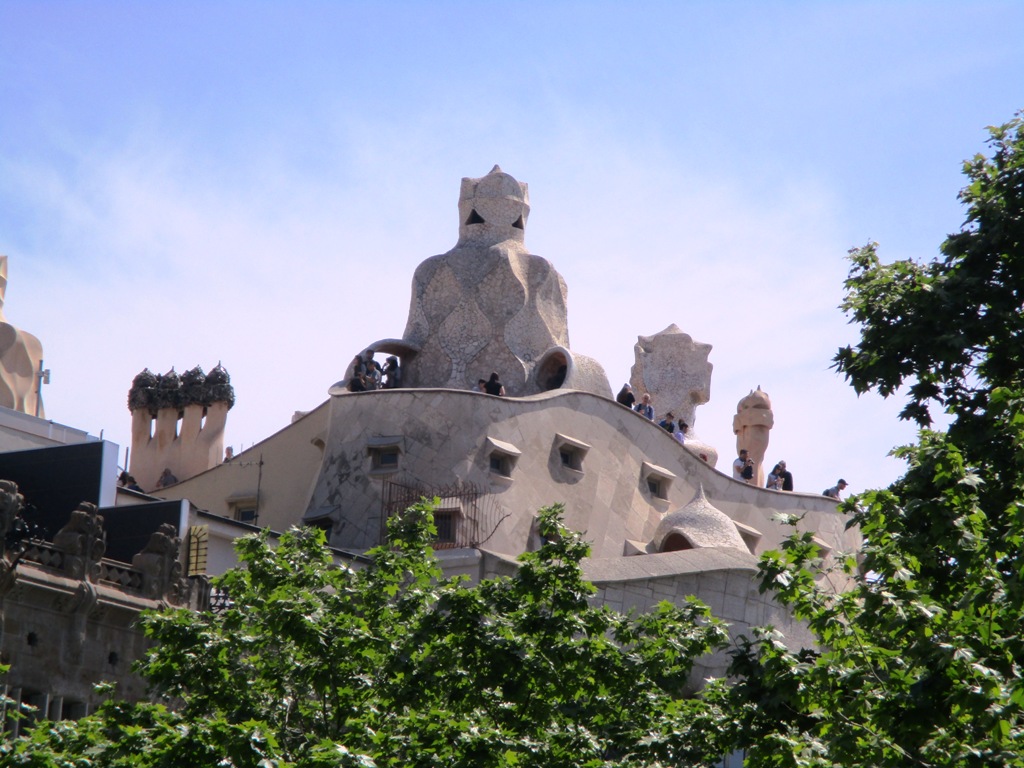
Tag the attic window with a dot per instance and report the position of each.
(751, 536)
(474, 218)
(447, 522)
(450, 522)
(502, 457)
(571, 452)
(385, 458)
(243, 507)
(384, 454)
(657, 479)
(824, 550)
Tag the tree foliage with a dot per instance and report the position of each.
(921, 662)
(395, 665)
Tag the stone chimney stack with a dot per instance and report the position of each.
(751, 425)
(177, 424)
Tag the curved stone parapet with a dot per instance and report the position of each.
(617, 473)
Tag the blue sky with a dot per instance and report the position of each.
(254, 183)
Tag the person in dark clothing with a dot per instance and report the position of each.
(358, 381)
(127, 481)
(787, 477)
(668, 423)
(625, 396)
(392, 373)
(494, 386)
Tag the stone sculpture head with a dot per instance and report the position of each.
(493, 209)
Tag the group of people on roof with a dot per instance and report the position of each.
(645, 407)
(368, 375)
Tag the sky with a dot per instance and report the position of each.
(254, 183)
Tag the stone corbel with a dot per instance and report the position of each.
(158, 563)
(80, 605)
(82, 541)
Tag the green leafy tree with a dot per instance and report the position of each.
(395, 665)
(920, 664)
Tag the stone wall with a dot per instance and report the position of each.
(440, 436)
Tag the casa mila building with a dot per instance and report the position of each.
(663, 522)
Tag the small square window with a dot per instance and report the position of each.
(500, 465)
(245, 514)
(502, 457)
(385, 459)
(571, 452)
(446, 522)
(658, 480)
(243, 508)
(384, 456)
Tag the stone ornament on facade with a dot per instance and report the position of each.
(751, 424)
(79, 606)
(10, 508)
(21, 357)
(178, 422)
(158, 563)
(489, 305)
(82, 541)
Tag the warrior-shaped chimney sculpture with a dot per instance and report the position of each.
(489, 305)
